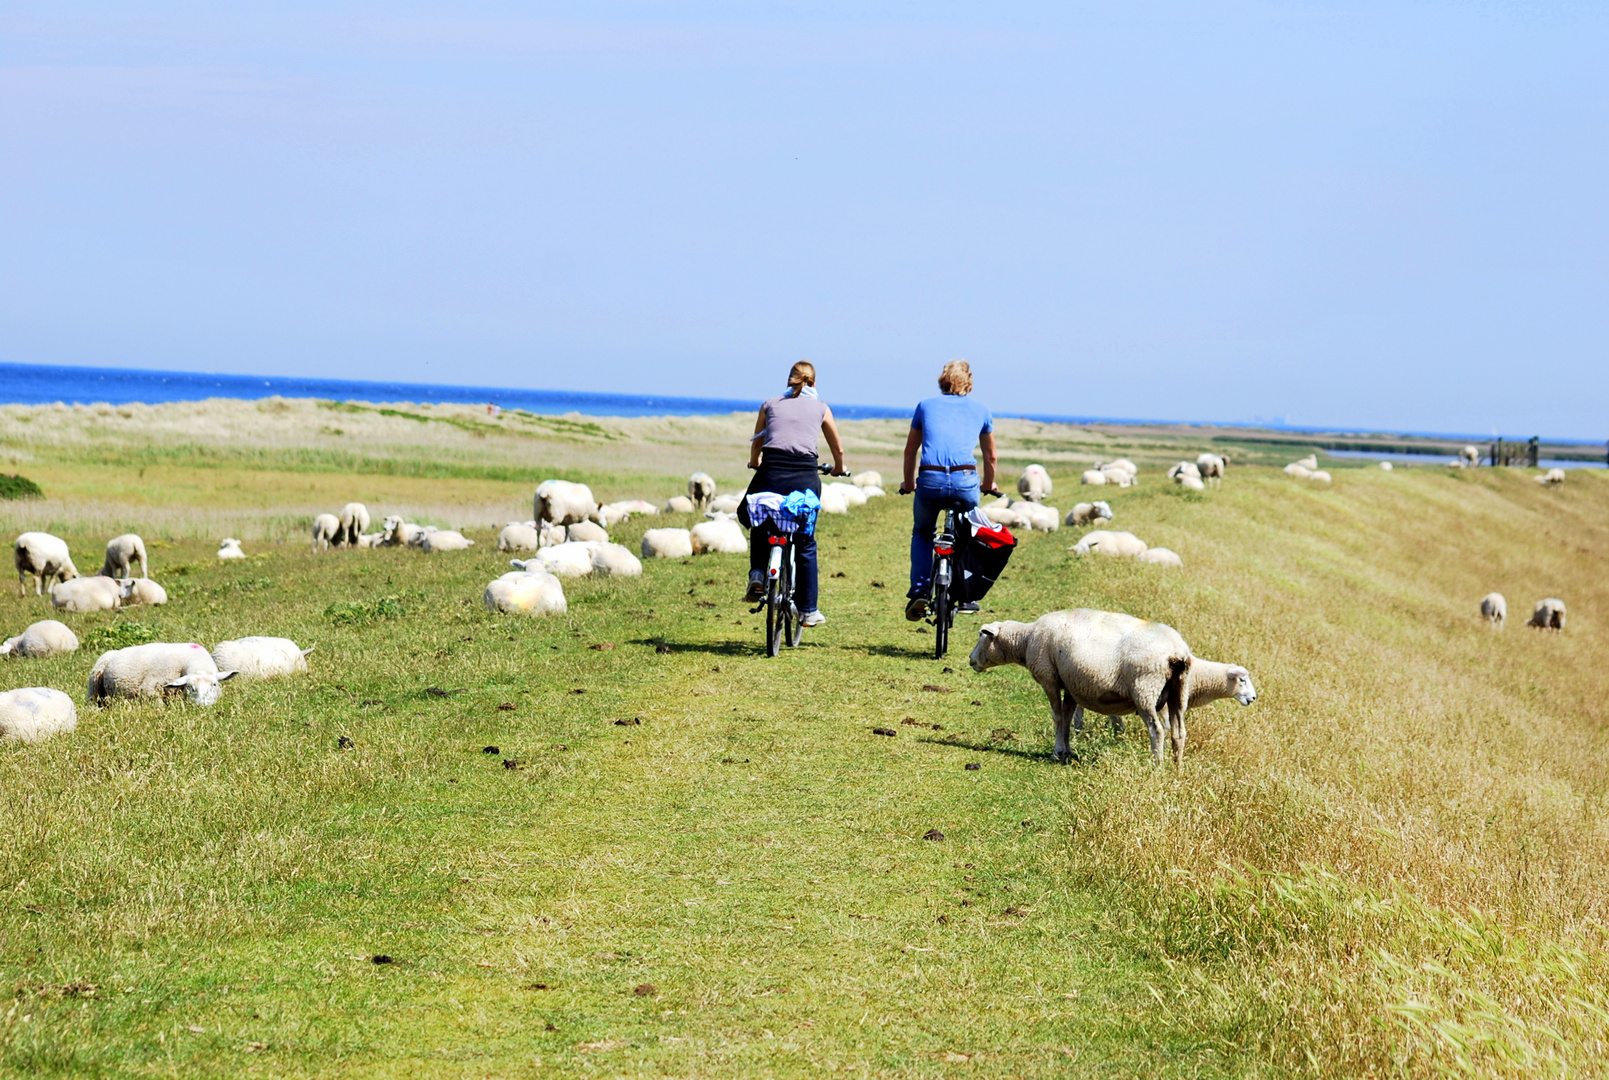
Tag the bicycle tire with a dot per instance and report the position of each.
(773, 623)
(792, 620)
(941, 621)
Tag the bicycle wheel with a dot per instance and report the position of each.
(773, 618)
(792, 621)
(941, 618)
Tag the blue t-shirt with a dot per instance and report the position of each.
(950, 425)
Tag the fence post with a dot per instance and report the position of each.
(1535, 450)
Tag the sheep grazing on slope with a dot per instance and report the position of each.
(1089, 513)
(1494, 609)
(1160, 556)
(700, 489)
(45, 557)
(260, 657)
(229, 548)
(1469, 457)
(353, 522)
(519, 536)
(42, 639)
(121, 553)
(35, 713)
(586, 530)
(1034, 483)
(445, 540)
(562, 502)
(326, 532)
(82, 595)
(1114, 665)
(1551, 477)
(1211, 467)
(719, 538)
(532, 592)
(1114, 544)
(1092, 476)
(1549, 615)
(869, 478)
(152, 670)
(143, 591)
(667, 544)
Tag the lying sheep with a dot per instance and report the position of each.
(1189, 483)
(353, 522)
(1494, 609)
(1092, 476)
(720, 538)
(143, 591)
(445, 540)
(35, 713)
(1211, 467)
(326, 532)
(82, 595)
(45, 557)
(260, 657)
(399, 533)
(586, 530)
(873, 492)
(1468, 458)
(1184, 468)
(700, 489)
(1117, 474)
(725, 504)
(1318, 476)
(1089, 513)
(121, 552)
(1115, 544)
(869, 478)
(518, 536)
(1310, 462)
(1040, 518)
(526, 593)
(1551, 477)
(416, 539)
(667, 544)
(563, 502)
(152, 670)
(42, 639)
(1549, 615)
(833, 500)
(371, 540)
(616, 512)
(1005, 512)
(679, 504)
(1034, 483)
(561, 560)
(614, 560)
(229, 548)
(1114, 665)
(1160, 556)
(1298, 470)
(852, 495)
(1386, 465)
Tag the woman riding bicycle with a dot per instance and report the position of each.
(783, 453)
(944, 431)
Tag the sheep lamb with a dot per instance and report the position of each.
(82, 595)
(121, 553)
(42, 639)
(45, 557)
(518, 536)
(35, 713)
(1549, 615)
(260, 657)
(1494, 609)
(152, 670)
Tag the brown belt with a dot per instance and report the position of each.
(949, 468)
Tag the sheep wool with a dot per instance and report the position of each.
(667, 544)
(42, 639)
(35, 713)
(45, 557)
(152, 670)
(261, 657)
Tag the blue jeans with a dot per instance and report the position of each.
(935, 493)
(805, 573)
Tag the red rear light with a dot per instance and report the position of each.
(776, 541)
(944, 550)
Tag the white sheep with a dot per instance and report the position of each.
(1469, 457)
(399, 533)
(1310, 462)
(679, 504)
(563, 502)
(1114, 665)
(1034, 483)
(534, 592)
(1123, 463)
(40, 640)
(152, 670)
(260, 657)
(1037, 517)
(229, 548)
(853, 495)
(1551, 477)
(35, 713)
(445, 540)
(700, 489)
(1211, 467)
(121, 552)
(1494, 609)
(614, 560)
(1114, 544)
(586, 530)
(1549, 615)
(1387, 466)
(1118, 474)
(1298, 470)
(45, 557)
(86, 594)
(667, 543)
(869, 478)
(616, 512)
(833, 500)
(371, 540)
(873, 492)
(720, 538)
(1318, 476)
(326, 532)
(1092, 476)
(416, 539)
(1184, 468)
(1005, 512)
(142, 590)
(725, 504)
(1160, 556)
(1089, 513)
(561, 560)
(354, 521)
(518, 536)
(1189, 483)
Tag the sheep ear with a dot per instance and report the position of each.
(180, 682)
(309, 649)
(225, 676)
(990, 630)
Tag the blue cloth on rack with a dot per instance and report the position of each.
(789, 513)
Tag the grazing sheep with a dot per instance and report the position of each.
(720, 538)
(1469, 457)
(142, 590)
(121, 551)
(1549, 615)
(563, 502)
(1161, 556)
(42, 639)
(326, 532)
(869, 478)
(586, 530)
(1386, 465)
(445, 540)
(700, 489)
(726, 504)
(1092, 476)
(229, 548)
(152, 670)
(1319, 476)
(45, 557)
(679, 504)
(35, 713)
(82, 595)
(667, 544)
(1114, 665)
(533, 592)
(1310, 462)
(260, 657)
(1212, 467)
(1034, 483)
(1551, 477)
(1089, 513)
(1494, 609)
(613, 560)
(518, 536)
(1115, 544)
(354, 521)
(561, 560)
(1297, 469)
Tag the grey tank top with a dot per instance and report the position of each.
(793, 424)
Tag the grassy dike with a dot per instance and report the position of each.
(704, 863)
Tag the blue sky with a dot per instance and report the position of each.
(1355, 214)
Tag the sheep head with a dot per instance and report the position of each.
(204, 689)
(1239, 685)
(992, 650)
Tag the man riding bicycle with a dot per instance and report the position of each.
(944, 431)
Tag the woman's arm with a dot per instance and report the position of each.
(754, 443)
(913, 448)
(829, 428)
(986, 444)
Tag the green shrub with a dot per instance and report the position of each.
(19, 487)
(357, 613)
(120, 634)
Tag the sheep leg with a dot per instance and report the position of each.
(1063, 720)
(1078, 717)
(1153, 726)
(1176, 735)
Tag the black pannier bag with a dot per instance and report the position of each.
(981, 553)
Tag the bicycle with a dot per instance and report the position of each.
(943, 603)
(783, 620)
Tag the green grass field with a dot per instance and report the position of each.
(685, 859)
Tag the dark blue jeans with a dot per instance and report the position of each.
(805, 582)
(935, 493)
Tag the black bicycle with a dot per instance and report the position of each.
(783, 620)
(943, 616)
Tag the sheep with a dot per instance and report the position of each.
(399, 533)
(616, 512)
(1118, 474)
(1319, 476)
(229, 548)
(42, 639)
(720, 538)
(1038, 517)
(562, 502)
(416, 539)
(667, 543)
(1005, 512)
(1184, 468)
(326, 532)
(613, 560)
(1211, 467)
(1115, 544)
(586, 530)
(445, 540)
(873, 492)
(869, 478)
(1189, 483)
(45, 557)
(833, 500)
(121, 551)
(143, 591)
(371, 540)
(853, 495)
(518, 536)
(534, 592)
(1114, 665)
(1092, 476)
(1494, 609)
(1549, 615)
(1469, 457)
(1089, 513)
(1034, 483)
(1551, 477)
(261, 657)
(1310, 462)
(561, 560)
(679, 504)
(1125, 464)
(700, 489)
(354, 520)
(727, 504)
(87, 594)
(35, 713)
(1160, 556)
(1297, 469)
(1386, 466)
(152, 670)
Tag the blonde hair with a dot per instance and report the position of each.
(956, 378)
(802, 374)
